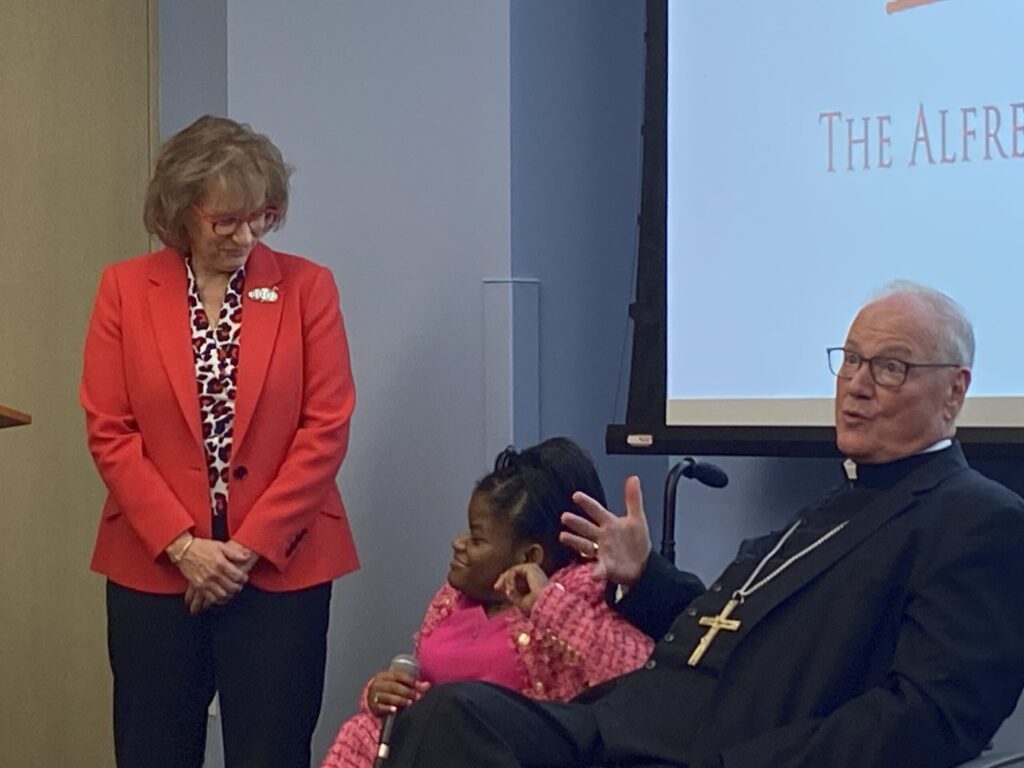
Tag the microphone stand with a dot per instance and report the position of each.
(702, 472)
(668, 517)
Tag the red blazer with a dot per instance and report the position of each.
(295, 397)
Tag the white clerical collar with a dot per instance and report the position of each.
(850, 466)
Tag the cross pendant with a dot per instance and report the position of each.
(715, 624)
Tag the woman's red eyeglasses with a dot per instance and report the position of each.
(225, 225)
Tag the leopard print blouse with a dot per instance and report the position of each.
(215, 351)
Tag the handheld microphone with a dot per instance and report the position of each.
(409, 664)
(706, 473)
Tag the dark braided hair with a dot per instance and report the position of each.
(530, 489)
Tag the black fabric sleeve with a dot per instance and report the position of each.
(659, 595)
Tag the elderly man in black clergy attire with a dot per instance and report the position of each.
(884, 626)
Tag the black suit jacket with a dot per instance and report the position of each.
(898, 642)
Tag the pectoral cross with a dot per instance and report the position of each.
(715, 624)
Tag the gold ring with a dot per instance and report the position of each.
(376, 700)
(594, 549)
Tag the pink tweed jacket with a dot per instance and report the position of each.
(569, 642)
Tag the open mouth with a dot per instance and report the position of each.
(855, 418)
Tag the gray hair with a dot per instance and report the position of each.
(955, 334)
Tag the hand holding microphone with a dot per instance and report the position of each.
(396, 687)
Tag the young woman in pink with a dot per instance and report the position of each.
(519, 609)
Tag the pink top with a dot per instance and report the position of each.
(570, 641)
(470, 646)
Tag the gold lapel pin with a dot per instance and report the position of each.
(264, 294)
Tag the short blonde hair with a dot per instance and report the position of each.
(212, 149)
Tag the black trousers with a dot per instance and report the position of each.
(264, 652)
(472, 725)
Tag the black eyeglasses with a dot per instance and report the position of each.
(886, 371)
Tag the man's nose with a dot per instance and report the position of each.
(862, 384)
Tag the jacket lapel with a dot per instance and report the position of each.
(168, 307)
(260, 321)
(861, 526)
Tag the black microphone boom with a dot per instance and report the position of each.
(409, 664)
(702, 472)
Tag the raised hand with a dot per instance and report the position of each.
(619, 546)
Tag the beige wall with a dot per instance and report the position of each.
(75, 138)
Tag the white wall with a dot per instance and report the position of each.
(396, 118)
(193, 62)
(576, 112)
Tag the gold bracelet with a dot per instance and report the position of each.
(177, 558)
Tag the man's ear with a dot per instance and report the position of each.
(957, 393)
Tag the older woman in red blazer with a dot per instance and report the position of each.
(218, 394)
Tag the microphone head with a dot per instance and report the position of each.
(711, 475)
(406, 662)
(705, 473)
